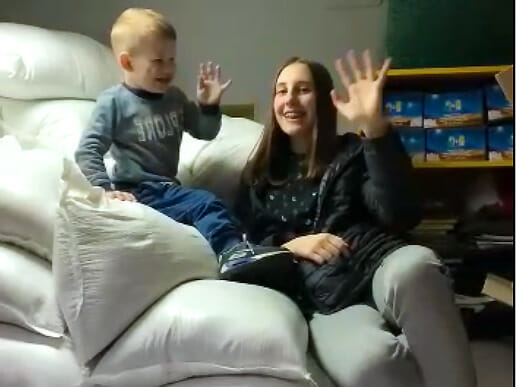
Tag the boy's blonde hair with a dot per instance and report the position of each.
(137, 23)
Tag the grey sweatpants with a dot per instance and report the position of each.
(357, 349)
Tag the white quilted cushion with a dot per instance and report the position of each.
(27, 295)
(238, 381)
(55, 125)
(29, 196)
(217, 165)
(114, 259)
(40, 63)
(31, 360)
(206, 328)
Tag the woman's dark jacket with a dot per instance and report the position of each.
(366, 197)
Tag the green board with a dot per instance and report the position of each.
(446, 33)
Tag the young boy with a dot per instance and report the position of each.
(142, 121)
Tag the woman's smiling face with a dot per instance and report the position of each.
(295, 101)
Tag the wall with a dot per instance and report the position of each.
(248, 38)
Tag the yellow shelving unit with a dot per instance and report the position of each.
(464, 164)
(458, 72)
(440, 75)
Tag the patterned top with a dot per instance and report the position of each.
(291, 206)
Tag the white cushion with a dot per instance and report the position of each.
(217, 165)
(206, 328)
(29, 196)
(40, 63)
(27, 295)
(55, 125)
(238, 381)
(114, 259)
(31, 360)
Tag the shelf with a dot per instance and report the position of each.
(464, 164)
(446, 72)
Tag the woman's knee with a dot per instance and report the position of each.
(379, 360)
(356, 349)
(411, 265)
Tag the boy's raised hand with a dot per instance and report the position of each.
(209, 84)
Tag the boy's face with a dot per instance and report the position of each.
(153, 64)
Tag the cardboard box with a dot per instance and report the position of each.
(499, 288)
(413, 140)
(404, 108)
(497, 105)
(453, 109)
(500, 141)
(506, 81)
(456, 144)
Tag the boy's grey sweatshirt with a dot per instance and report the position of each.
(144, 134)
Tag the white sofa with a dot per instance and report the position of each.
(34, 347)
(57, 325)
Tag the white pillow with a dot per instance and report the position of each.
(31, 360)
(29, 196)
(206, 328)
(55, 125)
(114, 259)
(238, 381)
(27, 296)
(40, 63)
(218, 164)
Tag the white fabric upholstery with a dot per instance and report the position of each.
(205, 328)
(41, 63)
(114, 259)
(27, 293)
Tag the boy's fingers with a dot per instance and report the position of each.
(210, 70)
(202, 70)
(130, 197)
(226, 84)
(200, 82)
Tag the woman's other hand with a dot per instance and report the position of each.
(319, 248)
(361, 102)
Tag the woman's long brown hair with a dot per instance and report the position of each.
(269, 162)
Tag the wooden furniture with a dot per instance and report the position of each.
(447, 182)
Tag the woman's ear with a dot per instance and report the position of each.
(124, 60)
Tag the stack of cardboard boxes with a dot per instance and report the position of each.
(473, 124)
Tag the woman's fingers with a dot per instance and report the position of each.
(317, 258)
(368, 63)
(319, 248)
(330, 252)
(353, 63)
(344, 77)
(382, 74)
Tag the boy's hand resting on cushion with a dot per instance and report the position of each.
(121, 195)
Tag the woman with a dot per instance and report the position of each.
(338, 204)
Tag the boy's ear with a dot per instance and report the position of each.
(124, 60)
